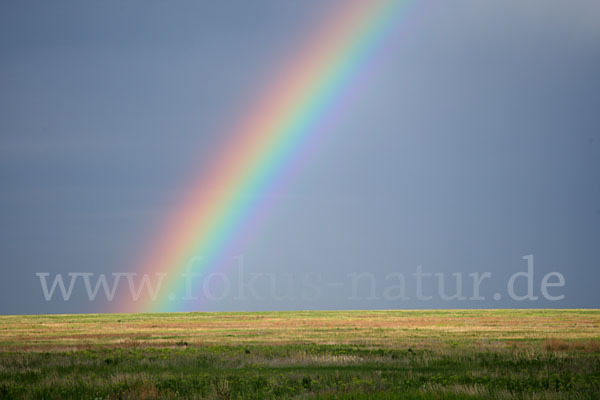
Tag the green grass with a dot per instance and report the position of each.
(456, 354)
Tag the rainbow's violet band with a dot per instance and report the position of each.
(292, 112)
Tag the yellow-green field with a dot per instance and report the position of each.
(310, 354)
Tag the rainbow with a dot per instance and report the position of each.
(296, 108)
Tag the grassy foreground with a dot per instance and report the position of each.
(455, 354)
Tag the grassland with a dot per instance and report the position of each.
(541, 354)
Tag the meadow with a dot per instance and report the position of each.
(455, 354)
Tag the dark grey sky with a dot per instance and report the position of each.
(477, 144)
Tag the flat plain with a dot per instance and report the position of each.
(457, 354)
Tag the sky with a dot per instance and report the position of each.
(473, 148)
